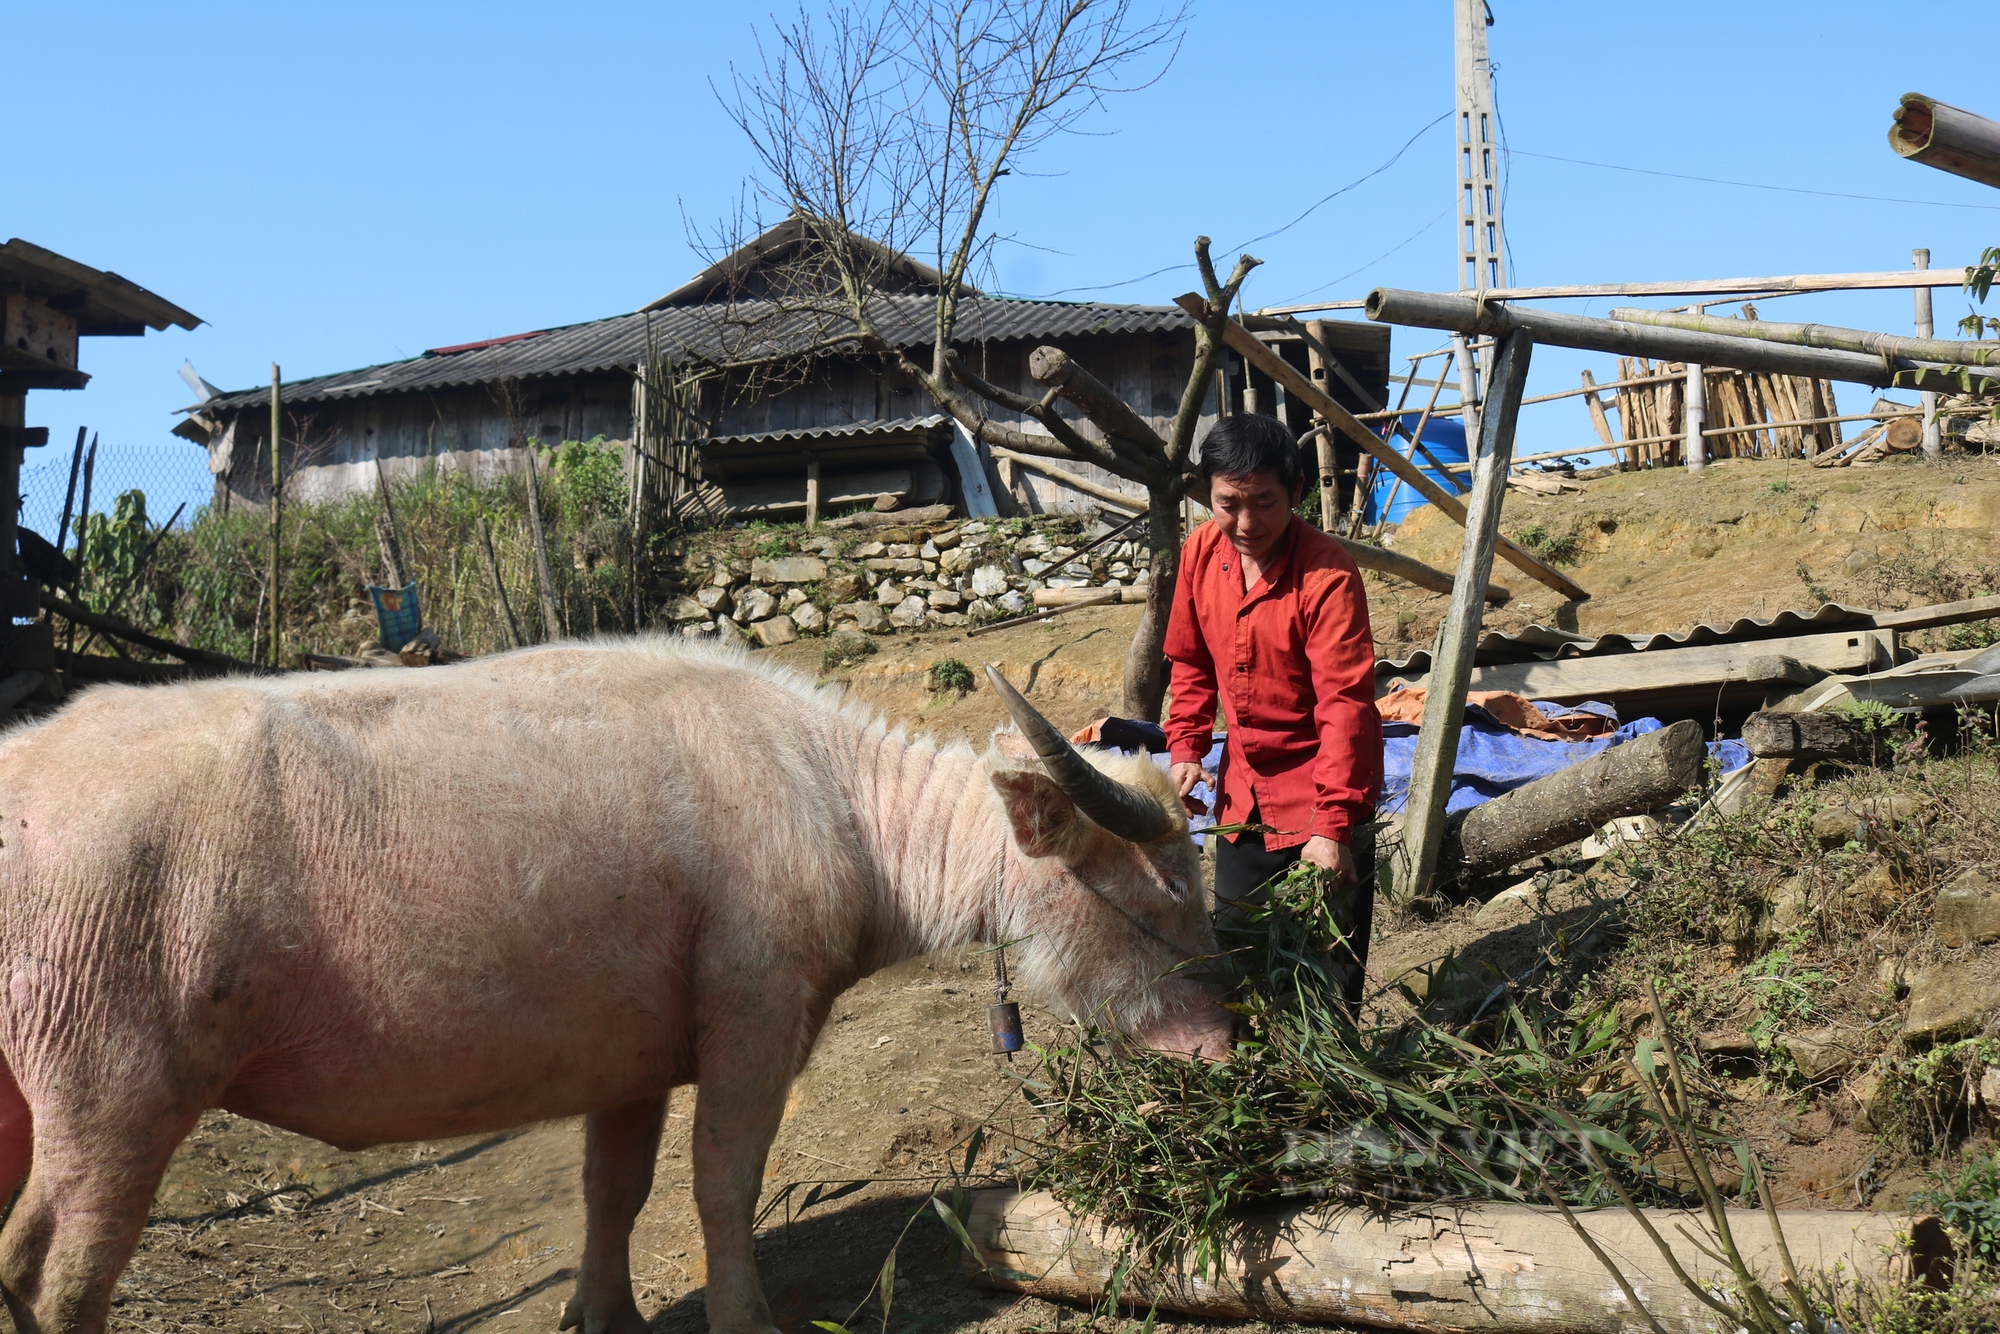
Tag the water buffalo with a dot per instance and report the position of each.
(384, 906)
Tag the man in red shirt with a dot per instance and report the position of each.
(1270, 618)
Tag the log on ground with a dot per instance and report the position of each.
(1640, 775)
(1496, 1268)
(1815, 736)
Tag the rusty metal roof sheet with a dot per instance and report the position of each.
(1546, 643)
(619, 343)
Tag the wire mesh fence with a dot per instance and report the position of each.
(168, 475)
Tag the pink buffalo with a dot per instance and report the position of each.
(387, 906)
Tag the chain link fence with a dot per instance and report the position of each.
(168, 475)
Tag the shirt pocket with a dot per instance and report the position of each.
(1281, 688)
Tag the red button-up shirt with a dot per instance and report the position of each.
(1293, 663)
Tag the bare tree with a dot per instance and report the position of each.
(883, 132)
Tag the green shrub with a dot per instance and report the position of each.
(1555, 548)
(207, 582)
(950, 675)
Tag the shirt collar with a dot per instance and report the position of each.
(1281, 559)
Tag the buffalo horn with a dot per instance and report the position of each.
(1124, 811)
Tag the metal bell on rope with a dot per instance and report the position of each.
(1003, 1014)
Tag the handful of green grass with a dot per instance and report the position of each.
(1314, 1106)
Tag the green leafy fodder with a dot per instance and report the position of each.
(1315, 1106)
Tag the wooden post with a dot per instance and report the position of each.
(69, 498)
(812, 494)
(1415, 862)
(1694, 416)
(277, 519)
(1329, 465)
(1933, 436)
(545, 580)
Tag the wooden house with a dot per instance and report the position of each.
(863, 430)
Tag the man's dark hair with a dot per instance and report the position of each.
(1250, 442)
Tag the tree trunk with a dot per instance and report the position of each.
(1497, 1268)
(1146, 661)
(1639, 775)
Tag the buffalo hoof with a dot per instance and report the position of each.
(613, 1317)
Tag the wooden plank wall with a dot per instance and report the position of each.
(472, 428)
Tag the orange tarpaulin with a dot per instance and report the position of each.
(1517, 713)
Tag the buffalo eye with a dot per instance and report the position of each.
(1177, 887)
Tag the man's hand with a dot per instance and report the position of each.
(1335, 857)
(1185, 776)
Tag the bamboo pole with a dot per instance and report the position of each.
(1694, 415)
(1938, 135)
(1245, 344)
(275, 640)
(1416, 857)
(1451, 409)
(1714, 431)
(400, 572)
(1598, 421)
(1933, 437)
(1895, 279)
(1829, 337)
(1423, 421)
(1466, 315)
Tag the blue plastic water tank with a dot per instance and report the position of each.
(1444, 437)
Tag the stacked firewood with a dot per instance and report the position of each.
(1653, 422)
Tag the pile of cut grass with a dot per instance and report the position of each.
(1315, 1107)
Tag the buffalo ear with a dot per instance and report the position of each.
(1011, 745)
(1043, 819)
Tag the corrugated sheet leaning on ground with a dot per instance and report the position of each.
(712, 331)
(1545, 644)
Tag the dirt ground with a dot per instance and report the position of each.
(256, 1229)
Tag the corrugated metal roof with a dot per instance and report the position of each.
(619, 343)
(1546, 643)
(853, 430)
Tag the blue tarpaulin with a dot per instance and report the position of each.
(1493, 760)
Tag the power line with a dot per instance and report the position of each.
(1377, 260)
(1752, 185)
(1175, 268)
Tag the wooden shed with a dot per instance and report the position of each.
(865, 430)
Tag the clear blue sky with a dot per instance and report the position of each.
(330, 187)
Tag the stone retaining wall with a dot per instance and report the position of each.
(773, 584)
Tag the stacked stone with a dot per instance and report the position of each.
(942, 575)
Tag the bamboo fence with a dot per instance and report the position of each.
(1791, 410)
